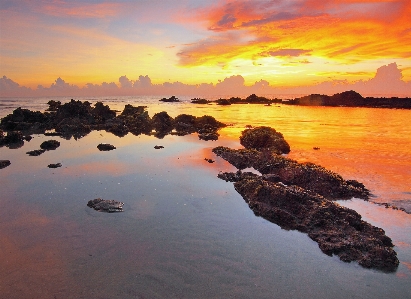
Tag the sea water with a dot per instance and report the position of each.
(184, 233)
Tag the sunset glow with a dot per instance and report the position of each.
(194, 45)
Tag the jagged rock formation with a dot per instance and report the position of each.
(300, 196)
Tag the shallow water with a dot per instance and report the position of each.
(184, 232)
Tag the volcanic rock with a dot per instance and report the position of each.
(171, 99)
(50, 145)
(264, 138)
(36, 152)
(336, 229)
(306, 175)
(162, 122)
(106, 147)
(104, 205)
(4, 163)
(57, 165)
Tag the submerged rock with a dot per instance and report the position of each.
(4, 163)
(104, 205)
(105, 147)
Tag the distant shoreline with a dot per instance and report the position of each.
(344, 99)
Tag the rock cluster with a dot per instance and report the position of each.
(77, 119)
(300, 196)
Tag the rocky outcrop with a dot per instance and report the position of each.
(171, 99)
(264, 138)
(337, 230)
(104, 205)
(77, 119)
(306, 175)
(300, 196)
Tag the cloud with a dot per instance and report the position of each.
(388, 81)
(346, 31)
(9, 88)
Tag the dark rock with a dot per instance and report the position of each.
(57, 165)
(105, 147)
(73, 127)
(130, 110)
(36, 152)
(336, 229)
(24, 119)
(135, 119)
(316, 148)
(223, 102)
(158, 146)
(264, 138)
(75, 109)
(208, 136)
(185, 123)
(103, 205)
(50, 145)
(171, 99)
(306, 175)
(209, 160)
(4, 163)
(162, 122)
(199, 101)
(209, 121)
(12, 140)
(53, 105)
(102, 112)
(253, 99)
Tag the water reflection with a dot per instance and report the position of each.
(184, 232)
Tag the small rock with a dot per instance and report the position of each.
(158, 146)
(316, 148)
(104, 205)
(209, 160)
(57, 165)
(36, 152)
(105, 147)
(50, 145)
(4, 163)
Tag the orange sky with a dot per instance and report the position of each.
(286, 44)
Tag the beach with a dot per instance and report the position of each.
(184, 233)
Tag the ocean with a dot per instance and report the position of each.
(185, 233)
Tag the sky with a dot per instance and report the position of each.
(204, 47)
